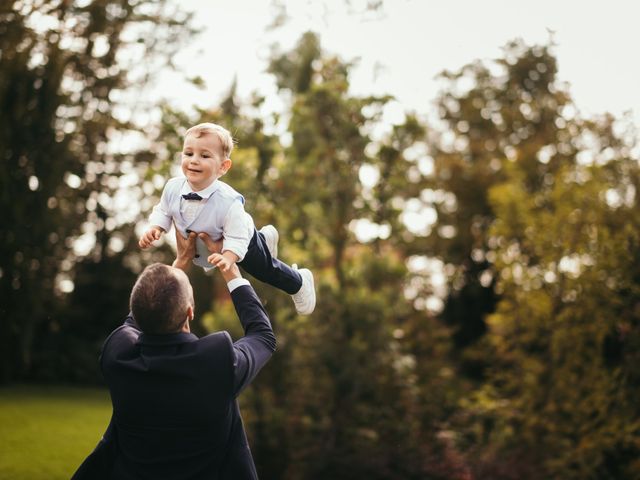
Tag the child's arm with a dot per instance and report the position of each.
(160, 220)
(150, 236)
(237, 231)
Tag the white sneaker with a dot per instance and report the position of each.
(305, 298)
(271, 236)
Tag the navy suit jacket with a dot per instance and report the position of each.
(175, 414)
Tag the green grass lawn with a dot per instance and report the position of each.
(46, 432)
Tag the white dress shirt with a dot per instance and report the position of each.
(238, 224)
(235, 225)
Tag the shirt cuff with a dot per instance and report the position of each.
(237, 282)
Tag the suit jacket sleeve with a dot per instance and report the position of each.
(252, 351)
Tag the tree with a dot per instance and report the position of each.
(357, 409)
(493, 112)
(566, 331)
(62, 76)
(345, 385)
(541, 206)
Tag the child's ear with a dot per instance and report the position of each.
(226, 165)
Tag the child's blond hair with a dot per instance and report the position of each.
(226, 140)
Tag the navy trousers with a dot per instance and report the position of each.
(259, 264)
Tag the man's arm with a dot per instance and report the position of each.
(251, 352)
(186, 248)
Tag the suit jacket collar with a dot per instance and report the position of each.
(166, 339)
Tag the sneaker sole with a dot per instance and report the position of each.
(276, 236)
(307, 273)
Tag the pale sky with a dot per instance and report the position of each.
(404, 46)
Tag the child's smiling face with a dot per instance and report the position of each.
(202, 160)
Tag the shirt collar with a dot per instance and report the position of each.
(204, 193)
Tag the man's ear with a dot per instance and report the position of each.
(226, 165)
(187, 321)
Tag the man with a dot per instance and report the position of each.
(175, 414)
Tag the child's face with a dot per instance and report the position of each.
(202, 160)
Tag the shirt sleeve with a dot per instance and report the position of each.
(160, 215)
(237, 282)
(237, 230)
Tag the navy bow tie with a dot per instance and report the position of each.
(192, 196)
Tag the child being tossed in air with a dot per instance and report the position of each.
(200, 202)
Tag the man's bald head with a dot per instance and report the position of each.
(160, 299)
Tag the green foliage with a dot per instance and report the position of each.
(529, 371)
(544, 207)
(358, 408)
(513, 107)
(60, 81)
(565, 333)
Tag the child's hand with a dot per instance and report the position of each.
(150, 236)
(220, 261)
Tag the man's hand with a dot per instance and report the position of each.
(186, 250)
(214, 246)
(226, 262)
(150, 236)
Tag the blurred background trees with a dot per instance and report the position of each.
(66, 70)
(478, 281)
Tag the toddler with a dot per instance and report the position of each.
(200, 202)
